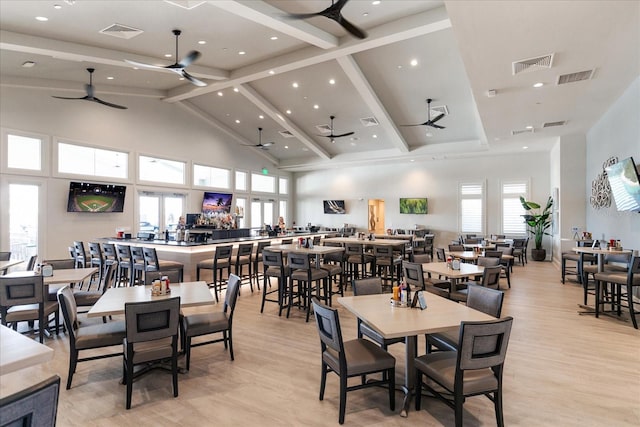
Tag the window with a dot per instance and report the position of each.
(24, 152)
(161, 170)
(263, 183)
(241, 205)
(283, 185)
(208, 176)
(283, 210)
(24, 224)
(160, 211)
(472, 208)
(512, 210)
(261, 213)
(241, 181)
(83, 160)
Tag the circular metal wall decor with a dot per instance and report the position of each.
(600, 189)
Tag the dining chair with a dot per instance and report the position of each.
(475, 369)
(4, 256)
(274, 266)
(440, 255)
(518, 250)
(23, 299)
(414, 277)
(152, 263)
(221, 261)
(213, 322)
(138, 266)
(486, 300)
(498, 254)
(80, 255)
(96, 258)
(124, 264)
(87, 337)
(614, 263)
(257, 260)
(456, 248)
(630, 279)
(359, 357)
(386, 261)
(490, 279)
(36, 405)
(172, 275)
(306, 275)
(356, 258)
(87, 298)
(244, 257)
(151, 336)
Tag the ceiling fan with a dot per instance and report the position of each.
(260, 145)
(430, 122)
(334, 12)
(178, 67)
(90, 94)
(332, 136)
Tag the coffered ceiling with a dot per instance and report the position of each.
(289, 76)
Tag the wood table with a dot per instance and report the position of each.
(442, 269)
(394, 322)
(473, 256)
(479, 245)
(315, 250)
(192, 294)
(10, 263)
(600, 253)
(65, 275)
(19, 352)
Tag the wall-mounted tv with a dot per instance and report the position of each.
(94, 198)
(334, 207)
(625, 185)
(413, 206)
(216, 203)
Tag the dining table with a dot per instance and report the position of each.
(473, 256)
(192, 294)
(316, 250)
(394, 322)
(19, 352)
(466, 270)
(63, 275)
(4, 265)
(600, 253)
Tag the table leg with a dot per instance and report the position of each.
(411, 351)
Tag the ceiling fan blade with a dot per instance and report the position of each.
(140, 64)
(418, 124)
(189, 59)
(193, 79)
(355, 31)
(65, 97)
(302, 15)
(436, 126)
(437, 118)
(342, 134)
(108, 104)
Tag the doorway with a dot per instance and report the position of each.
(376, 216)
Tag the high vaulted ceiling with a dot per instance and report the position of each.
(254, 54)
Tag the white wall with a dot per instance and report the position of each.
(149, 126)
(617, 133)
(436, 180)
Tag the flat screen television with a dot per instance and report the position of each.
(625, 185)
(334, 207)
(414, 206)
(95, 198)
(216, 203)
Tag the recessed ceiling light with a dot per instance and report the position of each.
(375, 136)
(42, 18)
(220, 94)
(353, 144)
(286, 147)
(28, 64)
(136, 68)
(539, 84)
(294, 84)
(202, 42)
(110, 78)
(167, 55)
(57, 6)
(333, 141)
(399, 67)
(235, 89)
(429, 134)
(365, 14)
(525, 147)
(316, 106)
(237, 120)
(181, 78)
(288, 111)
(261, 116)
(412, 160)
(332, 81)
(529, 127)
(272, 72)
(414, 62)
(274, 37)
(242, 52)
(375, 3)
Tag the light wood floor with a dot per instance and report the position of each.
(562, 369)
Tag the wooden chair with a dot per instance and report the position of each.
(630, 279)
(306, 275)
(152, 263)
(244, 256)
(274, 266)
(385, 259)
(221, 261)
(257, 260)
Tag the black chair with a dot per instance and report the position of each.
(4, 256)
(613, 263)
(274, 266)
(629, 279)
(151, 336)
(87, 298)
(138, 266)
(577, 261)
(519, 247)
(221, 261)
(244, 256)
(88, 337)
(80, 255)
(356, 258)
(35, 406)
(22, 299)
(124, 264)
(213, 322)
(475, 369)
(152, 263)
(348, 359)
(385, 259)
(257, 260)
(96, 258)
(306, 275)
(414, 277)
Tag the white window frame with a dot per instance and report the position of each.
(84, 177)
(525, 194)
(483, 204)
(275, 184)
(230, 177)
(247, 177)
(286, 190)
(158, 192)
(45, 153)
(186, 172)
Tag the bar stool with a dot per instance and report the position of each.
(137, 265)
(244, 256)
(221, 260)
(385, 259)
(80, 254)
(333, 263)
(273, 264)
(96, 258)
(305, 275)
(151, 263)
(355, 257)
(110, 254)
(630, 279)
(258, 259)
(123, 252)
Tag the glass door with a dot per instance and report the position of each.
(261, 213)
(159, 212)
(24, 227)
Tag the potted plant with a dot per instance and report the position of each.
(538, 222)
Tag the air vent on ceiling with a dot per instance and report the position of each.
(551, 124)
(518, 132)
(121, 31)
(440, 109)
(185, 4)
(323, 128)
(532, 64)
(575, 77)
(369, 121)
(286, 134)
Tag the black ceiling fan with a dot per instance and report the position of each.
(430, 122)
(178, 67)
(90, 94)
(260, 145)
(333, 136)
(334, 12)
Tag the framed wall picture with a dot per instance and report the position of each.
(414, 206)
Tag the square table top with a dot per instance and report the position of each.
(395, 322)
(64, 275)
(10, 263)
(191, 294)
(441, 268)
(601, 251)
(20, 352)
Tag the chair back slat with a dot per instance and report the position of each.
(152, 320)
(298, 261)
(367, 286)
(223, 252)
(272, 258)
(486, 300)
(413, 274)
(483, 344)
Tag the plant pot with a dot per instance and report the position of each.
(538, 254)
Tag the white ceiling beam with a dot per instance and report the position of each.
(402, 29)
(361, 84)
(264, 105)
(271, 17)
(78, 52)
(215, 123)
